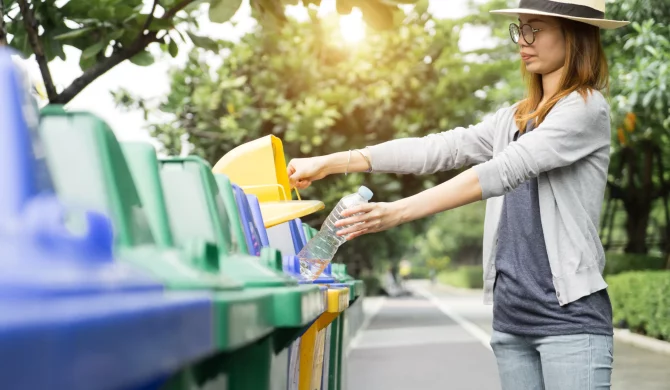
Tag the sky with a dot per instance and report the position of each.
(153, 81)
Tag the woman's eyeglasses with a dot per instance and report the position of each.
(525, 30)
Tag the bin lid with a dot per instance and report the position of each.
(299, 231)
(88, 168)
(275, 213)
(43, 259)
(230, 205)
(259, 167)
(189, 181)
(42, 254)
(248, 223)
(255, 207)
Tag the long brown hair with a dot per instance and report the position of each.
(585, 70)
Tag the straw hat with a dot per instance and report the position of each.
(585, 11)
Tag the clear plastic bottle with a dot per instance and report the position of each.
(320, 250)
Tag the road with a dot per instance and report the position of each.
(438, 339)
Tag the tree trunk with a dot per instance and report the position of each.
(3, 28)
(639, 198)
(638, 213)
(469, 255)
(665, 197)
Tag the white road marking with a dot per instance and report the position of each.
(469, 327)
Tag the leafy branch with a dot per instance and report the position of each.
(3, 27)
(34, 39)
(119, 55)
(109, 33)
(150, 18)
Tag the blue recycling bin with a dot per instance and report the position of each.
(255, 208)
(71, 317)
(247, 219)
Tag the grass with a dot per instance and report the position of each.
(463, 277)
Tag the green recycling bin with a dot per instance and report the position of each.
(97, 176)
(210, 216)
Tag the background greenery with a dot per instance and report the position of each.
(640, 301)
(304, 85)
(409, 77)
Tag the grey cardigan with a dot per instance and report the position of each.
(569, 153)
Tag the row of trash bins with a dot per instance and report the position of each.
(120, 270)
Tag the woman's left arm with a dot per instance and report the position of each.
(461, 190)
(575, 128)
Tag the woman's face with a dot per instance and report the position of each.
(546, 54)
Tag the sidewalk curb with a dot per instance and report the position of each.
(622, 335)
(645, 342)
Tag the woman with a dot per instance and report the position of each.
(542, 167)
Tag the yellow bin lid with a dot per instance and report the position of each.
(259, 168)
(275, 213)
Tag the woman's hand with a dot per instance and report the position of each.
(375, 217)
(303, 171)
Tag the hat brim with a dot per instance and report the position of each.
(602, 23)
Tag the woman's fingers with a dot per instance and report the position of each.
(363, 208)
(368, 218)
(352, 220)
(302, 184)
(303, 171)
(364, 212)
(350, 230)
(369, 226)
(357, 234)
(299, 183)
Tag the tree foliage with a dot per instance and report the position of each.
(320, 95)
(640, 95)
(108, 32)
(457, 233)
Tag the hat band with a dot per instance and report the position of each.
(575, 10)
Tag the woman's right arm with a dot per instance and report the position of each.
(447, 150)
(443, 151)
(303, 171)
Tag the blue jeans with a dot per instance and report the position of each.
(571, 362)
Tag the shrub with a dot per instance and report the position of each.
(641, 302)
(419, 273)
(623, 262)
(467, 276)
(372, 285)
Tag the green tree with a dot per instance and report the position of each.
(456, 233)
(303, 84)
(109, 32)
(640, 81)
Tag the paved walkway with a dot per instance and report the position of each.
(438, 339)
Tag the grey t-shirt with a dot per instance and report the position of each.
(524, 297)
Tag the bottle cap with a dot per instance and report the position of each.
(365, 192)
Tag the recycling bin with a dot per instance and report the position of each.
(348, 323)
(313, 341)
(323, 341)
(98, 176)
(309, 355)
(190, 181)
(72, 316)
